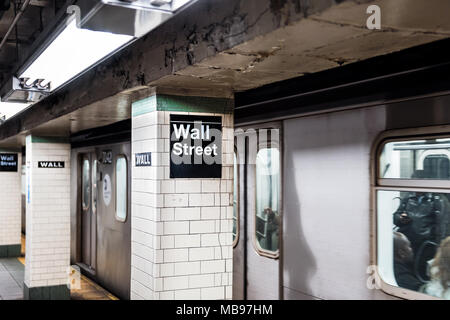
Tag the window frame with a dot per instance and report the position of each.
(120, 156)
(85, 158)
(266, 145)
(238, 207)
(94, 191)
(415, 185)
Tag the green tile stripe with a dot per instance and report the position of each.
(10, 251)
(35, 139)
(194, 104)
(60, 292)
(143, 106)
(182, 103)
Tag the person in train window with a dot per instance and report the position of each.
(439, 286)
(273, 222)
(403, 263)
(423, 217)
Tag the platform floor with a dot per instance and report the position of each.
(11, 279)
(12, 272)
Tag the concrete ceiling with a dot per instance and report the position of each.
(322, 41)
(331, 38)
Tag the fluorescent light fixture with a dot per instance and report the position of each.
(9, 109)
(73, 51)
(159, 5)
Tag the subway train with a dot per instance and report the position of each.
(100, 227)
(346, 195)
(100, 206)
(317, 197)
(324, 172)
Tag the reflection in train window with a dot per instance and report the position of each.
(94, 185)
(267, 200)
(413, 221)
(121, 188)
(235, 202)
(416, 159)
(86, 184)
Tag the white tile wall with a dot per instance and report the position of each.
(47, 216)
(11, 205)
(193, 241)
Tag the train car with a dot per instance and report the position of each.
(100, 221)
(342, 192)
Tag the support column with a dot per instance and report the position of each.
(181, 227)
(47, 256)
(10, 203)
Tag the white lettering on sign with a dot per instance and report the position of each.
(185, 131)
(143, 159)
(195, 146)
(196, 134)
(51, 164)
(8, 162)
(7, 158)
(180, 148)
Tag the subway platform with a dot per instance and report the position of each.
(12, 272)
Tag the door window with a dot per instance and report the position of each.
(121, 188)
(86, 184)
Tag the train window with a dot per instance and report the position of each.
(416, 159)
(413, 218)
(121, 188)
(86, 184)
(267, 219)
(235, 202)
(94, 185)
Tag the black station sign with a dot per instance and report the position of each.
(143, 159)
(195, 146)
(51, 164)
(8, 162)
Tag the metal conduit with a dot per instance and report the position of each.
(13, 24)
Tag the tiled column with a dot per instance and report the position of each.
(47, 256)
(10, 203)
(181, 228)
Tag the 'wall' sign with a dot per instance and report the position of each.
(51, 164)
(143, 159)
(195, 146)
(8, 162)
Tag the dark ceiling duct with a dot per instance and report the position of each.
(4, 6)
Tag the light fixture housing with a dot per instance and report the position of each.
(18, 91)
(72, 51)
(67, 51)
(171, 6)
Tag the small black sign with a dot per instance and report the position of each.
(195, 146)
(143, 159)
(107, 157)
(8, 162)
(51, 164)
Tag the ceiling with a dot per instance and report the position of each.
(332, 38)
(38, 14)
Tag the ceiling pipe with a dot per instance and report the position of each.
(13, 24)
(4, 6)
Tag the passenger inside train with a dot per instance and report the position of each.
(421, 222)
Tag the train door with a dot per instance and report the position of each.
(104, 225)
(89, 166)
(258, 169)
(114, 222)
